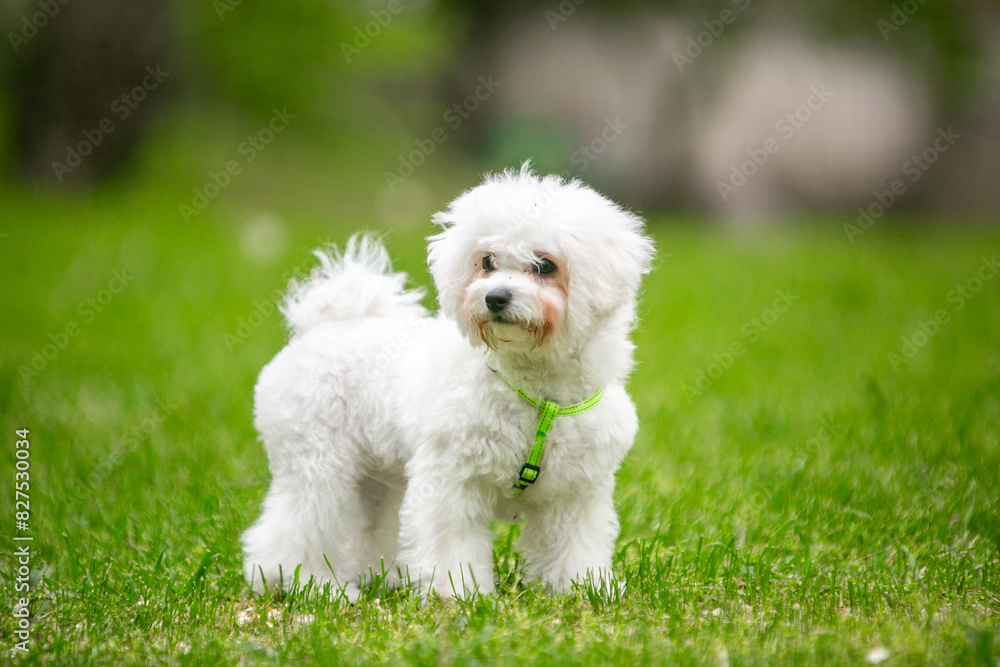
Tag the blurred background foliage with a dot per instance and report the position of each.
(367, 82)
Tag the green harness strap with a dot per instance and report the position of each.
(549, 410)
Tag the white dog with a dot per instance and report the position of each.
(395, 438)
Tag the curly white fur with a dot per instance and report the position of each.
(392, 445)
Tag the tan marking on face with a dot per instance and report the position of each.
(551, 310)
(551, 315)
(481, 327)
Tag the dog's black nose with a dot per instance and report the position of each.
(497, 299)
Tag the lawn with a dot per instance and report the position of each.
(815, 480)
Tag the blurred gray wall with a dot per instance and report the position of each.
(745, 119)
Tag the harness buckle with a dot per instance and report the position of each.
(528, 475)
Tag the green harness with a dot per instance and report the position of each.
(549, 410)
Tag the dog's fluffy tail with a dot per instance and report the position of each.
(351, 284)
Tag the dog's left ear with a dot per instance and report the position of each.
(623, 254)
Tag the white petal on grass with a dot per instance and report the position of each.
(245, 616)
(877, 655)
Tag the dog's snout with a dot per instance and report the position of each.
(497, 299)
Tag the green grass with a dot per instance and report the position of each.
(805, 505)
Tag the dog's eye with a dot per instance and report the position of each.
(488, 265)
(544, 267)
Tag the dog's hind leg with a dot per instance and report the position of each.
(314, 528)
